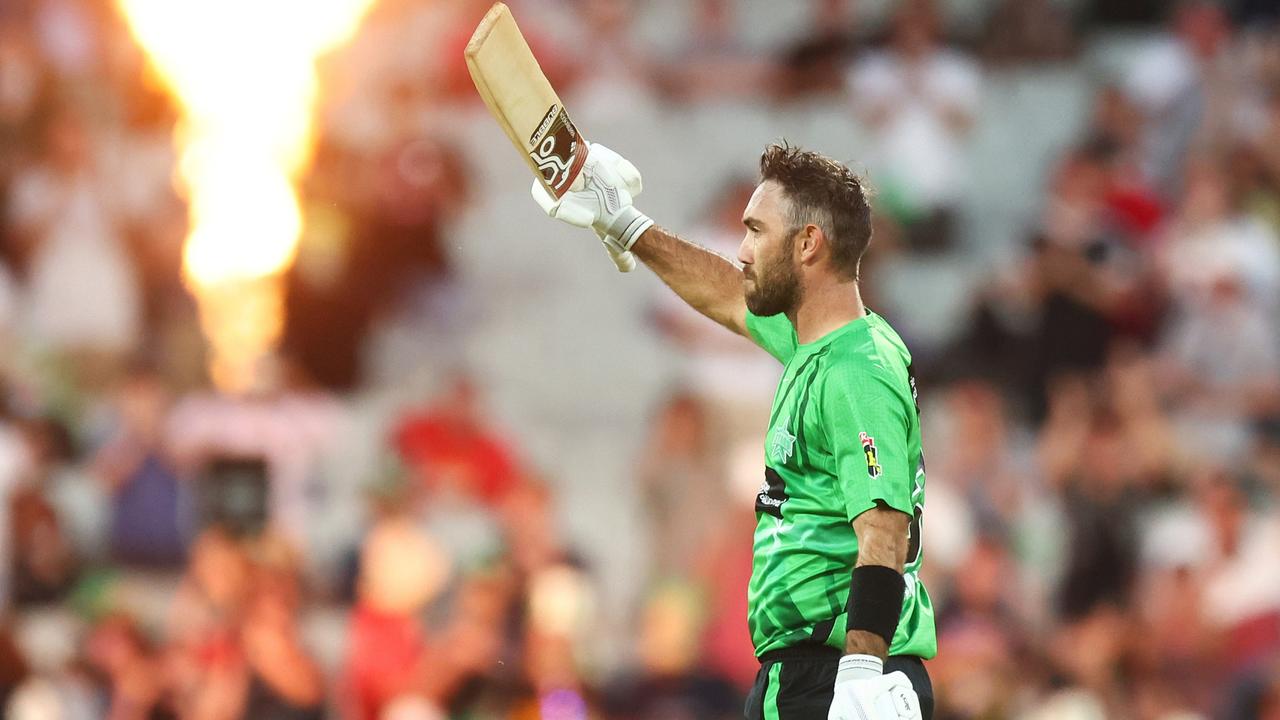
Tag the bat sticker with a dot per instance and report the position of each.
(557, 150)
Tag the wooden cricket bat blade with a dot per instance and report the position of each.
(519, 96)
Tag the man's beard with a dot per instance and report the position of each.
(777, 287)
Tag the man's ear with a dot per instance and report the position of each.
(811, 243)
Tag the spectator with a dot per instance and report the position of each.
(1240, 587)
(1177, 637)
(986, 634)
(1098, 502)
(1258, 696)
(203, 617)
(1221, 345)
(1132, 382)
(1086, 655)
(1211, 237)
(1223, 362)
(379, 252)
(813, 66)
(1267, 142)
(283, 681)
(449, 446)
(401, 569)
(44, 562)
(559, 619)
(532, 536)
(482, 631)
(236, 650)
(1134, 210)
(671, 684)
(82, 293)
(714, 62)
(1255, 186)
(1028, 31)
(1072, 333)
(1183, 83)
(615, 76)
(919, 99)
(68, 33)
(462, 470)
(724, 568)
(292, 426)
(974, 449)
(14, 668)
(22, 87)
(15, 469)
(682, 484)
(151, 513)
(131, 667)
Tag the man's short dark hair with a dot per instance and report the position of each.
(824, 193)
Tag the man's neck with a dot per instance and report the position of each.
(825, 309)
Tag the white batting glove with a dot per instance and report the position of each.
(601, 198)
(863, 692)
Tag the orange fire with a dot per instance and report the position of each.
(243, 73)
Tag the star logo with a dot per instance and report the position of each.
(782, 443)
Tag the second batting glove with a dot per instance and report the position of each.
(862, 692)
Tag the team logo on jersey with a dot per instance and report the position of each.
(869, 449)
(772, 494)
(782, 443)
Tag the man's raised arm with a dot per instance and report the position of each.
(708, 281)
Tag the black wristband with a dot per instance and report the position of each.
(875, 600)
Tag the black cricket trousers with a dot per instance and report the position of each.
(798, 683)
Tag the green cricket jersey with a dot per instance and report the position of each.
(844, 433)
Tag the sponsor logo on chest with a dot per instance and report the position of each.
(772, 494)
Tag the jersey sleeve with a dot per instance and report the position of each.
(774, 333)
(868, 422)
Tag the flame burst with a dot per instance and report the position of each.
(243, 73)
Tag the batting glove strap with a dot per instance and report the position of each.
(627, 226)
(623, 260)
(858, 667)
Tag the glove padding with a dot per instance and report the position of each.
(863, 693)
(601, 198)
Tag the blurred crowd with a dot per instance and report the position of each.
(351, 540)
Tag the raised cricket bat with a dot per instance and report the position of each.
(520, 98)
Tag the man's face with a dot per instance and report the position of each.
(771, 278)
